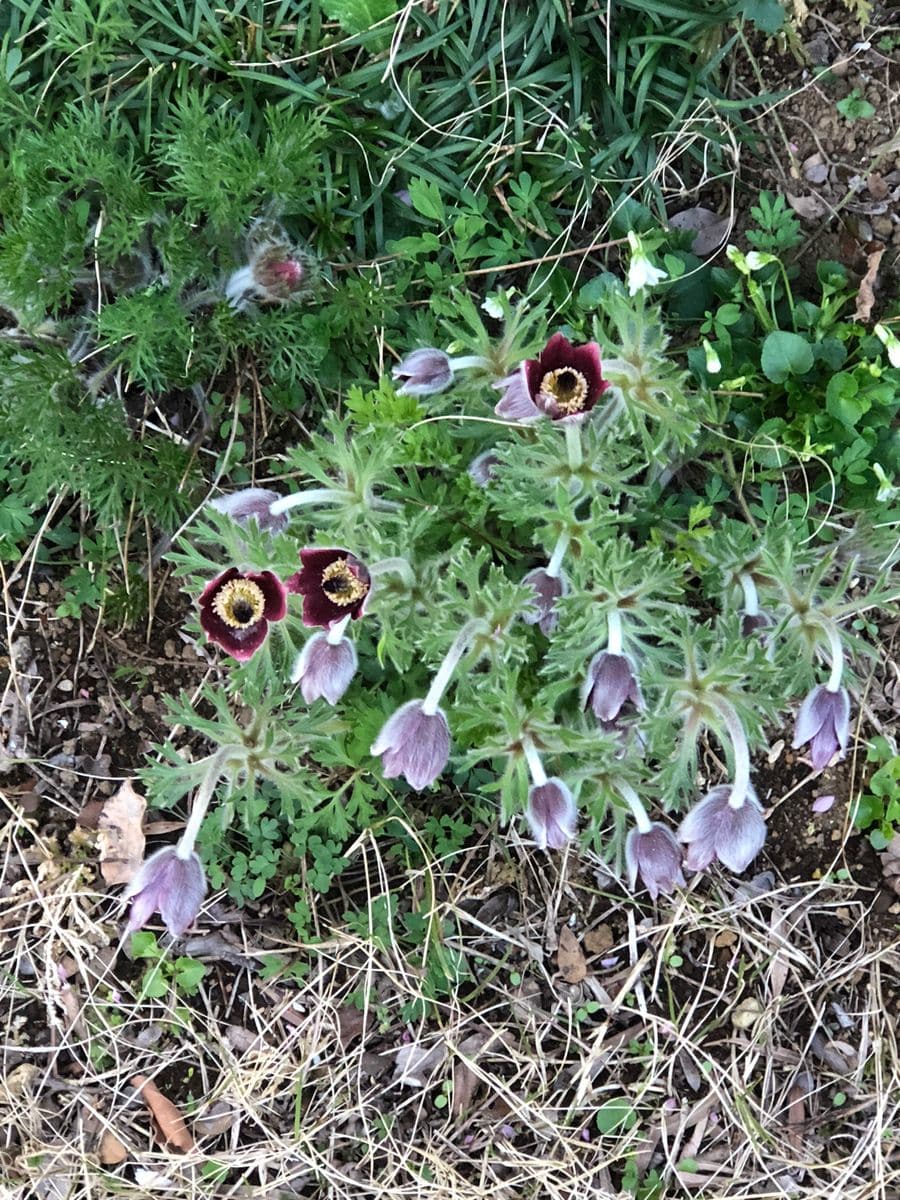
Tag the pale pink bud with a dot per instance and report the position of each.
(551, 814)
(655, 856)
(170, 885)
(251, 504)
(414, 744)
(715, 829)
(547, 590)
(325, 669)
(423, 372)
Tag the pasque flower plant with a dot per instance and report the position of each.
(451, 539)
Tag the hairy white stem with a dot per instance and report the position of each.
(336, 632)
(535, 766)
(614, 631)
(312, 496)
(559, 552)
(400, 565)
(837, 656)
(735, 730)
(214, 771)
(751, 596)
(466, 361)
(445, 671)
(573, 444)
(631, 798)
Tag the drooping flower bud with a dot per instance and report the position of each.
(414, 743)
(824, 722)
(170, 885)
(752, 622)
(655, 856)
(551, 814)
(716, 829)
(251, 504)
(547, 590)
(325, 669)
(333, 583)
(423, 372)
(236, 608)
(482, 468)
(611, 684)
(275, 274)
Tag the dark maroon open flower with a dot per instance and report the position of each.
(333, 583)
(236, 608)
(565, 380)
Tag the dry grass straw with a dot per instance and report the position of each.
(734, 1062)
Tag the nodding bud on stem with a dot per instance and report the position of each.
(655, 855)
(824, 722)
(551, 814)
(251, 504)
(610, 686)
(325, 669)
(547, 590)
(171, 885)
(715, 828)
(414, 743)
(423, 372)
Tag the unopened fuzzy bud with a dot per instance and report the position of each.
(415, 744)
(171, 885)
(551, 814)
(325, 669)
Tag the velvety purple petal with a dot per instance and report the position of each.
(656, 857)
(170, 885)
(822, 747)
(423, 372)
(324, 670)
(810, 718)
(241, 644)
(414, 744)
(740, 836)
(274, 594)
(551, 814)
(547, 590)
(251, 504)
(516, 403)
(611, 685)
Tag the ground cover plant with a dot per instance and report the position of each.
(449, 723)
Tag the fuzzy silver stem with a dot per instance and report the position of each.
(559, 552)
(313, 496)
(837, 656)
(185, 845)
(400, 565)
(335, 634)
(573, 444)
(445, 671)
(735, 730)
(614, 641)
(631, 798)
(751, 595)
(467, 361)
(535, 766)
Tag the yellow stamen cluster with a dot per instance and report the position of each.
(566, 388)
(341, 585)
(240, 603)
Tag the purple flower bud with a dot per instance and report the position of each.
(251, 504)
(276, 273)
(551, 814)
(824, 722)
(423, 373)
(414, 744)
(172, 886)
(610, 684)
(751, 622)
(656, 857)
(481, 468)
(713, 829)
(325, 669)
(516, 403)
(547, 590)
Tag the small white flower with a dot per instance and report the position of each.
(756, 260)
(713, 362)
(641, 271)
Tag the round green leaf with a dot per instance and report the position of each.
(785, 354)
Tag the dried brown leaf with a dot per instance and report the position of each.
(865, 297)
(219, 1119)
(570, 957)
(710, 229)
(599, 940)
(111, 1151)
(170, 1125)
(120, 834)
